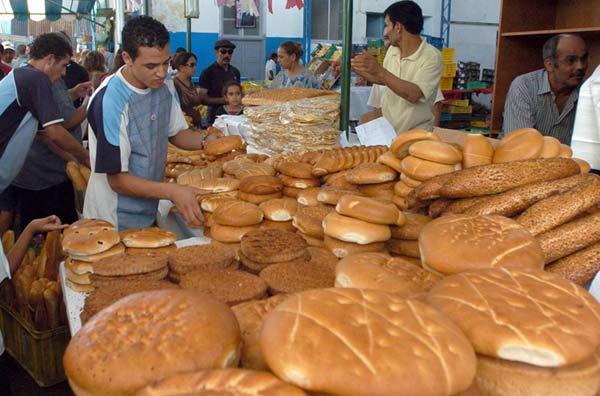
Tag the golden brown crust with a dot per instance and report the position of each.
(116, 250)
(529, 316)
(353, 230)
(402, 247)
(570, 237)
(257, 199)
(436, 151)
(308, 197)
(580, 267)
(237, 214)
(87, 241)
(477, 150)
(520, 144)
(223, 145)
(231, 287)
(371, 173)
(272, 246)
(214, 256)
(298, 170)
(153, 237)
(296, 277)
(228, 234)
(412, 228)
(261, 185)
(282, 209)
(342, 249)
(370, 210)
(254, 267)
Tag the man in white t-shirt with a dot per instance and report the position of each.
(586, 131)
(9, 264)
(271, 67)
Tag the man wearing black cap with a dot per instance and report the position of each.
(214, 77)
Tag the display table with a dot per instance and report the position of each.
(74, 301)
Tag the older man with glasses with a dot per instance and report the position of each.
(215, 76)
(546, 99)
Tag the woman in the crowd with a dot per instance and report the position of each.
(185, 64)
(95, 64)
(292, 73)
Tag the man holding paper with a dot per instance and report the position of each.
(410, 73)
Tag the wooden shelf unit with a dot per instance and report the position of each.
(525, 26)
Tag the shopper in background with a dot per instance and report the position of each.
(4, 69)
(233, 94)
(9, 53)
(545, 99)
(586, 132)
(9, 264)
(95, 64)
(271, 67)
(133, 116)
(21, 56)
(185, 65)
(411, 71)
(215, 76)
(293, 74)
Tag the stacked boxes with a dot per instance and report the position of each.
(449, 69)
(467, 71)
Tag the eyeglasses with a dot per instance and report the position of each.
(224, 51)
(190, 64)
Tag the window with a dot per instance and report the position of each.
(375, 24)
(229, 24)
(327, 20)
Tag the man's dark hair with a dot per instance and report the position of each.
(50, 44)
(232, 83)
(408, 14)
(180, 49)
(273, 56)
(143, 31)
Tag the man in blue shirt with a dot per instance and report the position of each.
(26, 103)
(133, 115)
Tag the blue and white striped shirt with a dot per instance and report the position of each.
(530, 103)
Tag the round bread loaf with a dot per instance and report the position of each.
(78, 267)
(233, 166)
(423, 170)
(254, 169)
(261, 185)
(116, 250)
(279, 209)
(371, 173)
(168, 331)
(381, 190)
(401, 247)
(551, 147)
(228, 234)
(237, 214)
(528, 316)
(309, 220)
(84, 223)
(436, 151)
(381, 272)
(272, 246)
(257, 199)
(250, 317)
(299, 170)
(292, 192)
(456, 243)
(286, 278)
(255, 267)
(302, 184)
(360, 335)
(404, 140)
(402, 189)
(504, 377)
(343, 249)
(477, 150)
(223, 145)
(409, 181)
(369, 209)
(87, 241)
(353, 230)
(127, 264)
(212, 203)
(224, 382)
(147, 237)
(209, 257)
(332, 195)
(219, 185)
(338, 180)
(520, 144)
(308, 197)
(566, 151)
(231, 287)
(583, 165)
(389, 159)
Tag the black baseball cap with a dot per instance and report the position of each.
(224, 44)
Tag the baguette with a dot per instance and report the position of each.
(53, 250)
(498, 178)
(569, 238)
(8, 240)
(75, 176)
(431, 188)
(85, 173)
(52, 304)
(561, 208)
(580, 267)
(436, 208)
(459, 206)
(513, 202)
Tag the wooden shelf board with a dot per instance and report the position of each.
(551, 32)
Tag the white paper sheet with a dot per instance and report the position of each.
(376, 132)
(595, 287)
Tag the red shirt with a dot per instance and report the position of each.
(5, 70)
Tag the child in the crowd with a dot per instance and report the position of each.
(233, 94)
(9, 264)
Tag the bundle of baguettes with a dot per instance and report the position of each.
(99, 255)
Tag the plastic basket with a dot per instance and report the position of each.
(38, 352)
(449, 69)
(448, 54)
(446, 83)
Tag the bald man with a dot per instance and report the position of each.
(546, 99)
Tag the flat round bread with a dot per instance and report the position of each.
(231, 287)
(100, 280)
(147, 237)
(87, 241)
(128, 264)
(272, 245)
(214, 256)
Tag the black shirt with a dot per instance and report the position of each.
(213, 78)
(75, 74)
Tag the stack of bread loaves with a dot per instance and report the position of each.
(231, 220)
(360, 224)
(535, 334)
(308, 220)
(260, 188)
(374, 180)
(296, 177)
(404, 242)
(279, 213)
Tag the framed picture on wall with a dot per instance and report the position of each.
(243, 19)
